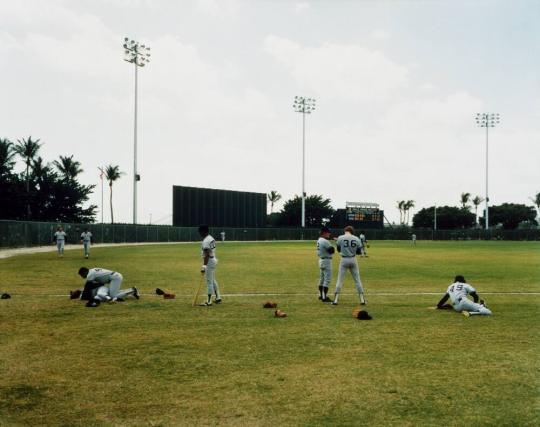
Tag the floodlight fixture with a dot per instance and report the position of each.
(487, 120)
(305, 106)
(137, 54)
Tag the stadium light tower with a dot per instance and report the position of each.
(304, 106)
(487, 120)
(139, 56)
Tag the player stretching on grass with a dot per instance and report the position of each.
(104, 285)
(325, 252)
(348, 245)
(208, 253)
(457, 292)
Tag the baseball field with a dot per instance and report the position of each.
(157, 362)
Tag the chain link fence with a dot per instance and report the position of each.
(27, 233)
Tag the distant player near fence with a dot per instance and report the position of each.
(60, 239)
(86, 240)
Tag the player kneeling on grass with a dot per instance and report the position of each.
(325, 252)
(457, 292)
(348, 245)
(104, 285)
(208, 253)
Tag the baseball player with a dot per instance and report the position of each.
(86, 239)
(348, 245)
(457, 292)
(208, 253)
(325, 252)
(60, 238)
(413, 239)
(104, 285)
(222, 236)
(363, 240)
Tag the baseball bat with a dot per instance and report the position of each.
(198, 291)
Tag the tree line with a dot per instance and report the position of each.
(45, 191)
(319, 211)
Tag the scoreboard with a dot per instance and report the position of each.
(360, 215)
(358, 211)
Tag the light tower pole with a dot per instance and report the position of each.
(139, 56)
(304, 106)
(487, 120)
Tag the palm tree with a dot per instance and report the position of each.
(476, 202)
(406, 207)
(28, 150)
(273, 197)
(7, 153)
(465, 197)
(68, 167)
(536, 201)
(39, 170)
(112, 173)
(400, 206)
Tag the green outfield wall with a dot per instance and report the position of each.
(27, 233)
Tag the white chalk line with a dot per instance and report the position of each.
(243, 295)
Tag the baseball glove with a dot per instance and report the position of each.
(159, 291)
(76, 294)
(5, 296)
(270, 304)
(361, 314)
(279, 313)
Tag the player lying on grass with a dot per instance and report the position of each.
(325, 251)
(457, 292)
(104, 285)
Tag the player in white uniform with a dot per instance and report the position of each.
(86, 240)
(325, 252)
(104, 285)
(363, 240)
(348, 246)
(208, 253)
(457, 292)
(413, 239)
(60, 238)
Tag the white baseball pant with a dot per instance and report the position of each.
(351, 265)
(325, 266)
(210, 277)
(467, 305)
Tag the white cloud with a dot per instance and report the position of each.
(334, 70)
(301, 7)
(379, 34)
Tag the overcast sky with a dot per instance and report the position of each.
(397, 83)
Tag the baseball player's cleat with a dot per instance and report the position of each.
(334, 303)
(205, 304)
(136, 293)
(466, 313)
(86, 256)
(326, 300)
(118, 300)
(218, 301)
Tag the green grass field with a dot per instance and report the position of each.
(156, 362)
